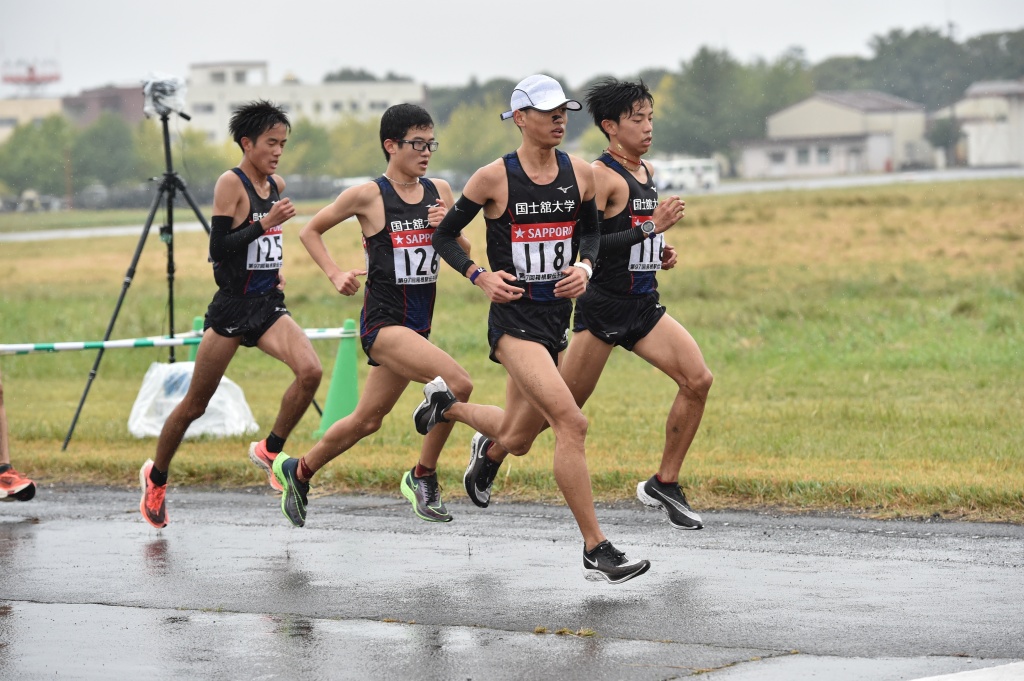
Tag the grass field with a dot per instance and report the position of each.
(867, 346)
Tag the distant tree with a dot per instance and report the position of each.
(38, 156)
(348, 74)
(105, 152)
(200, 162)
(770, 87)
(395, 77)
(700, 109)
(842, 73)
(945, 133)
(309, 149)
(475, 135)
(442, 102)
(923, 66)
(148, 142)
(355, 147)
(996, 56)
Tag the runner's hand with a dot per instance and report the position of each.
(280, 212)
(573, 284)
(346, 283)
(280, 280)
(436, 212)
(668, 213)
(498, 288)
(669, 257)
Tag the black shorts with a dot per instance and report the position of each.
(617, 320)
(367, 340)
(245, 316)
(544, 323)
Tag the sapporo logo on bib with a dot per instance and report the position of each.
(267, 251)
(416, 261)
(540, 252)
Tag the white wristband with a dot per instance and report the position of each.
(585, 267)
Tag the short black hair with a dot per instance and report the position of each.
(610, 99)
(398, 120)
(252, 119)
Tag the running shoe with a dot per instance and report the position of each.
(425, 496)
(437, 399)
(259, 455)
(14, 485)
(669, 497)
(153, 504)
(608, 563)
(294, 491)
(480, 472)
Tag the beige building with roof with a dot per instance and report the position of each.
(991, 116)
(840, 133)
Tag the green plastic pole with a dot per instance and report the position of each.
(197, 325)
(343, 392)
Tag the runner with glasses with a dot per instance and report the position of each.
(397, 214)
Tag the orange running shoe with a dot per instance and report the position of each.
(14, 485)
(261, 457)
(153, 508)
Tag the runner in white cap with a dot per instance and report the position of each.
(539, 207)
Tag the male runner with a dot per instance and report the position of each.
(621, 305)
(539, 207)
(13, 485)
(397, 213)
(248, 308)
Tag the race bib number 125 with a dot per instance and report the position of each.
(266, 252)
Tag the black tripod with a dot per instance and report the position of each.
(169, 186)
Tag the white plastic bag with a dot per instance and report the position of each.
(165, 385)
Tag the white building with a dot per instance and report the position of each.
(991, 116)
(215, 90)
(838, 133)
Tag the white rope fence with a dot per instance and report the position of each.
(187, 338)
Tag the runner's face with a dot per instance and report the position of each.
(635, 129)
(411, 162)
(266, 151)
(545, 127)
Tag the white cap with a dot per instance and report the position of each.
(539, 92)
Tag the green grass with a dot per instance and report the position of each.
(867, 347)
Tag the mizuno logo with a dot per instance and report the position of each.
(280, 309)
(564, 189)
(231, 329)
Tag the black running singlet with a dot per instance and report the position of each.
(630, 270)
(536, 237)
(253, 272)
(401, 263)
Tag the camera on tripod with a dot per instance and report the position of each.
(163, 95)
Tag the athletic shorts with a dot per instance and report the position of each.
(617, 320)
(544, 323)
(368, 339)
(245, 316)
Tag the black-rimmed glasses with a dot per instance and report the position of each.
(420, 145)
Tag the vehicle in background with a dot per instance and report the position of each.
(686, 174)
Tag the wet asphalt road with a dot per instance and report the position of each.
(230, 590)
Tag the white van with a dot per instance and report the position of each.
(686, 174)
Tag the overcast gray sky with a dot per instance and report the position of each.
(447, 41)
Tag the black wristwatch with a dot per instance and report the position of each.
(647, 227)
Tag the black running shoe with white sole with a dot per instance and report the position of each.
(608, 563)
(437, 399)
(480, 472)
(670, 498)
